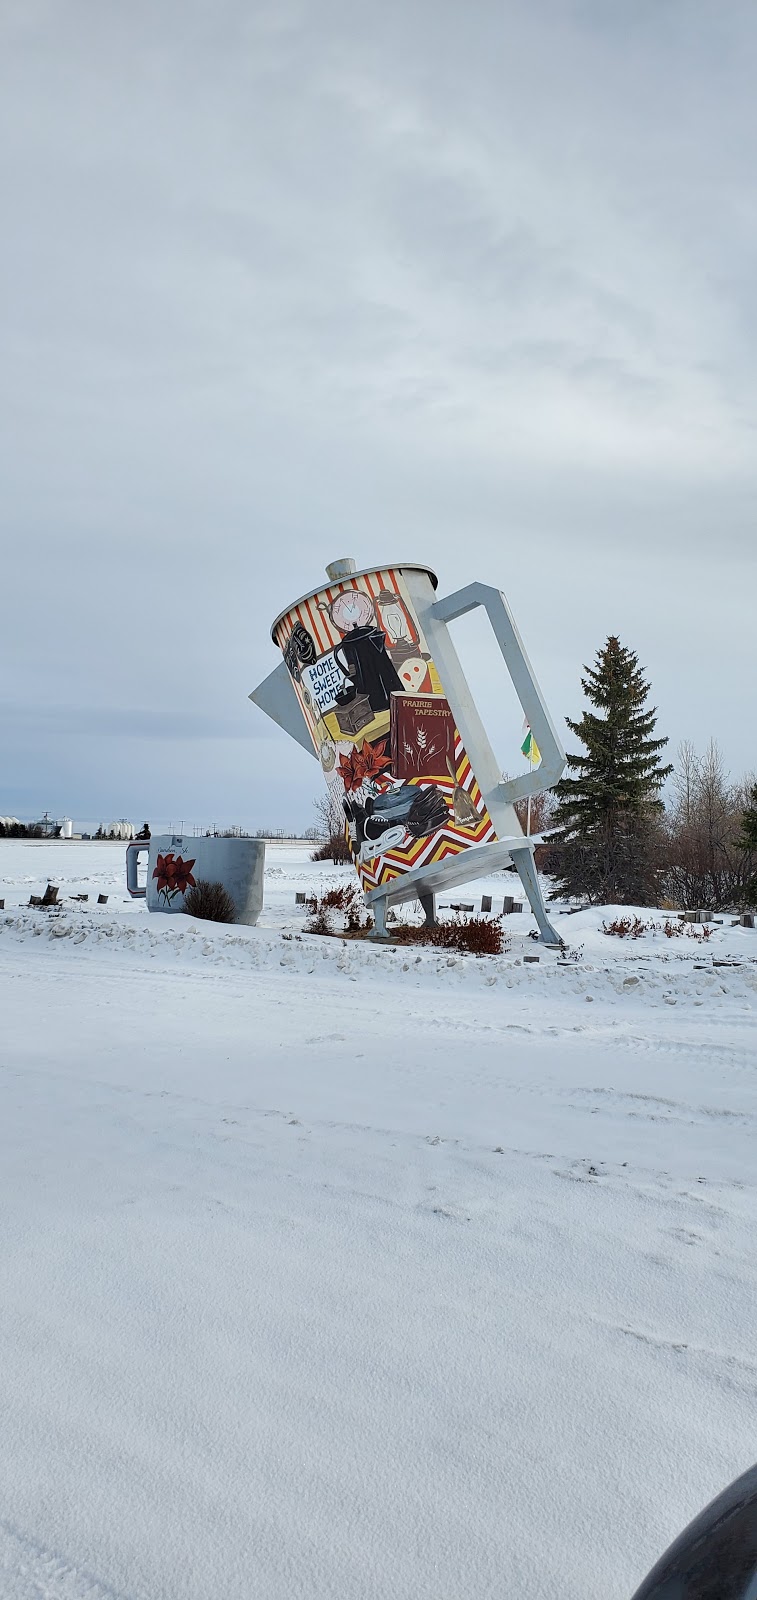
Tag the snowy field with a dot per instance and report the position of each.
(349, 1273)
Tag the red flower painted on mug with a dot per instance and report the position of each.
(164, 871)
(174, 876)
(182, 875)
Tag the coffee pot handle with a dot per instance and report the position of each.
(435, 619)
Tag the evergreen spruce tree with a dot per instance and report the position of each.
(748, 842)
(607, 810)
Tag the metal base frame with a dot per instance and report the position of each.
(424, 882)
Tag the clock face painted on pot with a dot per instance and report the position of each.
(352, 609)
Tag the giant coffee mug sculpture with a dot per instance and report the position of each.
(177, 861)
(372, 685)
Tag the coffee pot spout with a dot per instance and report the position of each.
(277, 697)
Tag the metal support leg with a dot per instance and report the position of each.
(429, 909)
(378, 907)
(523, 861)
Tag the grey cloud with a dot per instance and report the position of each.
(146, 723)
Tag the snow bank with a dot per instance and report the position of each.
(655, 977)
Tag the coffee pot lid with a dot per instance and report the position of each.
(338, 571)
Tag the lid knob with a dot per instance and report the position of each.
(340, 569)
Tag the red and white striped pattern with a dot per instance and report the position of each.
(318, 622)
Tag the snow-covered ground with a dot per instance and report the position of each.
(335, 1271)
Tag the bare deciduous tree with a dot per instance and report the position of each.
(331, 831)
(542, 812)
(703, 864)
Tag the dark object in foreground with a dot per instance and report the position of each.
(715, 1558)
(49, 898)
(210, 902)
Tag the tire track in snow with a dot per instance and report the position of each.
(31, 1571)
(719, 1366)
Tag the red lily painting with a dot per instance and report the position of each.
(182, 876)
(374, 760)
(368, 762)
(164, 872)
(174, 875)
(349, 769)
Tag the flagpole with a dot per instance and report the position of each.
(531, 768)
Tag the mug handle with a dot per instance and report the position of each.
(436, 619)
(132, 863)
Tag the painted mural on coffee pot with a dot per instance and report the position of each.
(380, 723)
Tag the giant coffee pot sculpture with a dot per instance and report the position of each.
(372, 685)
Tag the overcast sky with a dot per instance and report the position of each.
(473, 285)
